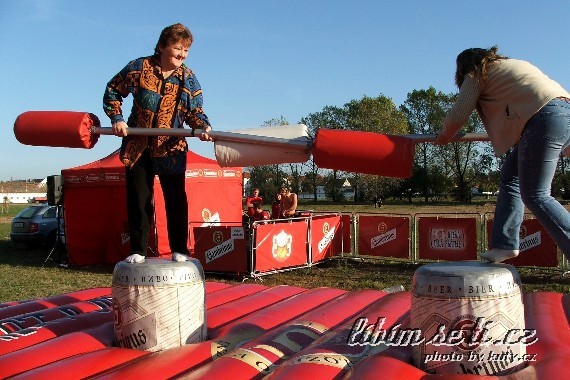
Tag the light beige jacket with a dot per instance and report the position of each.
(512, 92)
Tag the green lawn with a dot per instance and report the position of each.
(32, 273)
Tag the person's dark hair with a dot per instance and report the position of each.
(172, 34)
(475, 60)
(256, 205)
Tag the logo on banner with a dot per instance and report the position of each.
(530, 241)
(217, 237)
(384, 237)
(329, 236)
(193, 173)
(281, 249)
(210, 219)
(237, 233)
(125, 238)
(220, 250)
(441, 238)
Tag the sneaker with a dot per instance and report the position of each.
(135, 258)
(179, 257)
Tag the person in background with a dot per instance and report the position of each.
(288, 202)
(276, 207)
(259, 213)
(253, 198)
(166, 94)
(526, 112)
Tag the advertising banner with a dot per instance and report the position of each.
(280, 245)
(451, 239)
(221, 249)
(535, 245)
(346, 233)
(326, 237)
(384, 236)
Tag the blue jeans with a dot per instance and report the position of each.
(526, 179)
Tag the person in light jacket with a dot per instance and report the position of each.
(526, 114)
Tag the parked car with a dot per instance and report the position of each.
(36, 225)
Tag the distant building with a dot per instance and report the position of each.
(16, 198)
(24, 191)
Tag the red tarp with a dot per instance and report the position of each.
(95, 211)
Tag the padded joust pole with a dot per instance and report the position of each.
(351, 151)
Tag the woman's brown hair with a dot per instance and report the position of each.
(475, 60)
(172, 34)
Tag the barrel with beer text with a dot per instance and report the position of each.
(471, 316)
(159, 304)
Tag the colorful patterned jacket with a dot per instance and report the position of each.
(157, 103)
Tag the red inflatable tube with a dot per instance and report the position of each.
(56, 349)
(82, 366)
(57, 128)
(270, 317)
(333, 355)
(259, 356)
(212, 287)
(21, 307)
(37, 334)
(176, 361)
(566, 304)
(232, 294)
(218, 316)
(544, 312)
(24, 321)
(364, 152)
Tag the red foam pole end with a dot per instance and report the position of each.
(56, 128)
(364, 152)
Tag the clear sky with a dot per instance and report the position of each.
(255, 60)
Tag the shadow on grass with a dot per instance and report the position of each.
(20, 255)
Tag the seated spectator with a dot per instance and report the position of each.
(276, 207)
(288, 202)
(259, 213)
(253, 198)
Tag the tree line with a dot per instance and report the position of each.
(439, 172)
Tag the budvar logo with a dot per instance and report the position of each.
(384, 238)
(219, 250)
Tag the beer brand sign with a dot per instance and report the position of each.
(443, 238)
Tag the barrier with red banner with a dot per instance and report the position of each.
(280, 244)
(442, 238)
(535, 245)
(346, 233)
(221, 248)
(326, 237)
(384, 236)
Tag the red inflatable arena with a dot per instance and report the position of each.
(285, 332)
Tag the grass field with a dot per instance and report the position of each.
(32, 273)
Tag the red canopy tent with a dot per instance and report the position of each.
(95, 211)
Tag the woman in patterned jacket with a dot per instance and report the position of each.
(166, 94)
(526, 112)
